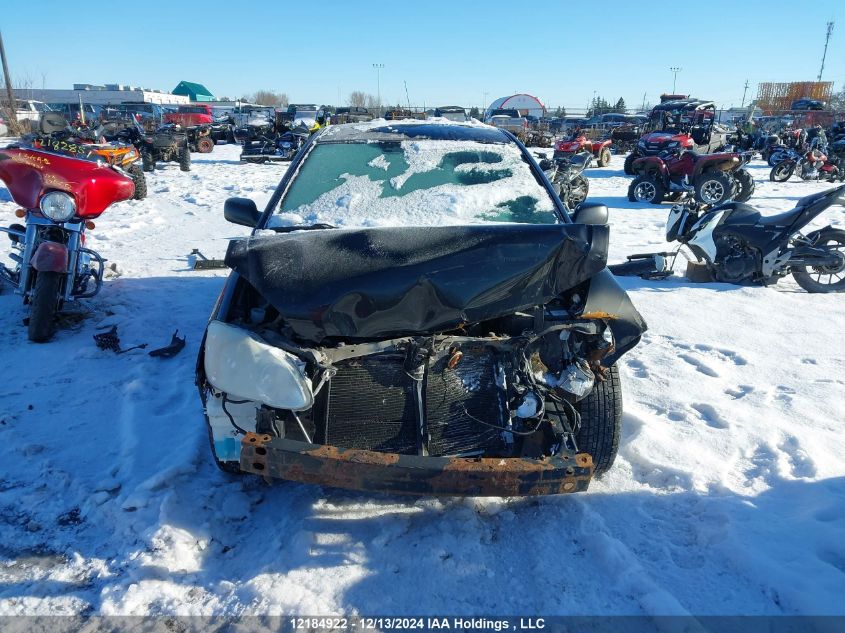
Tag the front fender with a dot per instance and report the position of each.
(608, 300)
(716, 164)
(50, 257)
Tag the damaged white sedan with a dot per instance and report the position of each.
(416, 312)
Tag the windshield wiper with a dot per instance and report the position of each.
(300, 227)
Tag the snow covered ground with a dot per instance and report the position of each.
(728, 495)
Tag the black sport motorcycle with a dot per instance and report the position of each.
(566, 176)
(738, 245)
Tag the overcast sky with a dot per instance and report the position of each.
(447, 52)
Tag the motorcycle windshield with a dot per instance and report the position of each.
(395, 281)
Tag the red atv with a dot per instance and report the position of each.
(578, 142)
(711, 178)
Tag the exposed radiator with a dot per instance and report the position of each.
(453, 397)
(371, 405)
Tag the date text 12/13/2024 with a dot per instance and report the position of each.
(365, 623)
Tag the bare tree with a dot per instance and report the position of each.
(357, 99)
(270, 98)
(8, 109)
(264, 97)
(837, 101)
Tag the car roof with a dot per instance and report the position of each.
(381, 130)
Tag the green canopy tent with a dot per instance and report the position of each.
(195, 92)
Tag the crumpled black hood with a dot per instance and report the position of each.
(386, 282)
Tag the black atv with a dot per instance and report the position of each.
(169, 143)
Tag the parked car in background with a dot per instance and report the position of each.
(301, 115)
(571, 123)
(555, 124)
(72, 111)
(507, 119)
(453, 113)
(30, 110)
(477, 358)
(149, 115)
(616, 119)
(612, 119)
(807, 104)
(253, 115)
(351, 114)
(397, 114)
(191, 115)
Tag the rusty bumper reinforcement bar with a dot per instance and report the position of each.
(412, 474)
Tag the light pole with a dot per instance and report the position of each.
(675, 70)
(378, 68)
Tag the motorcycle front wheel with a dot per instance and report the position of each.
(782, 171)
(824, 278)
(44, 305)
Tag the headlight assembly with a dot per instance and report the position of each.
(58, 206)
(243, 366)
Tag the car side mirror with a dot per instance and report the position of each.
(241, 211)
(591, 213)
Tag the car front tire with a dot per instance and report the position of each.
(601, 422)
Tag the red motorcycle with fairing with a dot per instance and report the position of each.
(60, 196)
